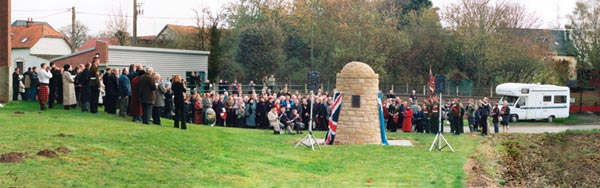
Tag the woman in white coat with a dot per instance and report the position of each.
(69, 100)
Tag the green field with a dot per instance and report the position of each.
(109, 151)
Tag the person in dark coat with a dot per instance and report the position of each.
(146, 87)
(15, 84)
(54, 85)
(94, 87)
(178, 98)
(505, 113)
(135, 107)
(111, 86)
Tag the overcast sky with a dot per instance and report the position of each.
(157, 13)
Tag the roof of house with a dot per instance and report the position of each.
(558, 40)
(91, 43)
(179, 30)
(26, 36)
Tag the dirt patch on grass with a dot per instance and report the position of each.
(569, 159)
(48, 153)
(63, 135)
(19, 113)
(63, 150)
(12, 157)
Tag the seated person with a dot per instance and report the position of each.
(285, 120)
(274, 120)
(297, 121)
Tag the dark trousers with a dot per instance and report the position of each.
(146, 112)
(110, 104)
(94, 94)
(180, 116)
(156, 111)
(52, 95)
(85, 99)
(496, 127)
(16, 93)
(484, 125)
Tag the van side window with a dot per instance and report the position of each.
(547, 98)
(560, 99)
(522, 102)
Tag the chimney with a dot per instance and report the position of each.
(29, 22)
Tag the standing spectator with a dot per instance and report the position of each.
(272, 82)
(94, 86)
(251, 87)
(44, 80)
(35, 82)
(78, 89)
(483, 116)
(135, 107)
(413, 96)
(207, 86)
(407, 120)
(434, 108)
(27, 82)
(178, 94)
(505, 112)
(124, 92)
(68, 87)
(146, 87)
(495, 114)
(111, 85)
(15, 84)
(54, 85)
(470, 112)
(159, 99)
(251, 113)
(193, 81)
(419, 116)
(198, 109)
(168, 110)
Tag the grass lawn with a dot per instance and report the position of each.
(109, 151)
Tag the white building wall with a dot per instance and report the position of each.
(166, 62)
(28, 59)
(51, 46)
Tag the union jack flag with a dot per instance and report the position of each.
(431, 83)
(333, 119)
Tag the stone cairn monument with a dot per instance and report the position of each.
(359, 116)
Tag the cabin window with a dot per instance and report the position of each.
(547, 98)
(522, 102)
(561, 99)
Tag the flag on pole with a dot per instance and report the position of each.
(431, 83)
(384, 140)
(333, 119)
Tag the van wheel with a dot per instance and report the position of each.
(514, 118)
(550, 119)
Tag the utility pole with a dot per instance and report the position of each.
(135, 13)
(5, 50)
(73, 29)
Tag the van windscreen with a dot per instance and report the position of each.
(510, 99)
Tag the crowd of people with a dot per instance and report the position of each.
(410, 115)
(142, 94)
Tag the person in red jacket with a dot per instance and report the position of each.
(407, 121)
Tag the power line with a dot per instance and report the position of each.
(53, 14)
(41, 10)
(144, 17)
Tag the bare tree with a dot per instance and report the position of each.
(80, 35)
(118, 26)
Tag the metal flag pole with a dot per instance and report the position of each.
(437, 141)
(309, 140)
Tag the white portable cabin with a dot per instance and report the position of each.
(535, 101)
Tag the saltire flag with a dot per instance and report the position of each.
(333, 119)
(384, 140)
(431, 83)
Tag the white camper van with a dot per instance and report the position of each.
(535, 101)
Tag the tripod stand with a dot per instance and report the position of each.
(309, 140)
(437, 142)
